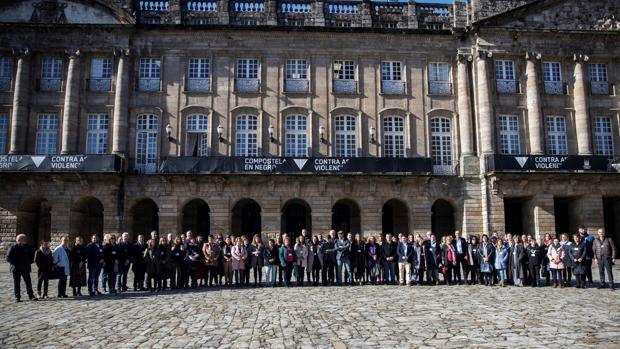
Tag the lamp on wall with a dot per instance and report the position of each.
(169, 133)
(271, 132)
(322, 133)
(373, 135)
(220, 133)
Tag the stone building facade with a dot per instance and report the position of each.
(268, 116)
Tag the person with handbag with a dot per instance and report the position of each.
(535, 256)
(61, 260)
(45, 262)
(577, 256)
(556, 256)
(78, 267)
(486, 254)
(605, 256)
(19, 257)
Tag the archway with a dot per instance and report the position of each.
(296, 215)
(196, 217)
(442, 218)
(346, 216)
(34, 219)
(145, 215)
(246, 218)
(86, 218)
(395, 217)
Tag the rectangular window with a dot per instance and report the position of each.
(296, 69)
(197, 132)
(6, 73)
(198, 68)
(247, 69)
(551, 71)
(393, 137)
(391, 71)
(101, 74)
(149, 73)
(4, 132)
(509, 140)
(439, 79)
(598, 79)
(504, 70)
(296, 137)
(47, 134)
(246, 143)
(97, 136)
(345, 136)
(344, 70)
(556, 135)
(603, 136)
(51, 74)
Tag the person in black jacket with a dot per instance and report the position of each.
(404, 251)
(124, 259)
(329, 260)
(432, 253)
(535, 257)
(390, 257)
(94, 262)
(577, 255)
(45, 262)
(460, 247)
(77, 259)
(358, 258)
(20, 258)
(110, 261)
(486, 255)
(137, 264)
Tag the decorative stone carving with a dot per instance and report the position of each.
(50, 12)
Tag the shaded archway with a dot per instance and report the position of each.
(34, 219)
(346, 216)
(296, 215)
(145, 217)
(442, 218)
(246, 218)
(86, 218)
(395, 217)
(196, 217)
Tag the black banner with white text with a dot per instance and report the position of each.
(547, 163)
(60, 163)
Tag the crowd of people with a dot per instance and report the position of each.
(190, 261)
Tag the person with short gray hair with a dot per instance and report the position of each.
(20, 258)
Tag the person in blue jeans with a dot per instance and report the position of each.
(388, 250)
(343, 256)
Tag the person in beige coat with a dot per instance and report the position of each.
(239, 255)
(555, 253)
(301, 251)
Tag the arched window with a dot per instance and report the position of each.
(146, 143)
(393, 137)
(441, 145)
(246, 135)
(197, 135)
(296, 135)
(345, 142)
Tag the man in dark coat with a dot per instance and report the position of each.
(94, 261)
(388, 251)
(460, 249)
(432, 253)
(20, 257)
(535, 257)
(517, 254)
(137, 264)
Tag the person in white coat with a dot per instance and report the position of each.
(61, 260)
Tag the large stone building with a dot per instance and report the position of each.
(249, 116)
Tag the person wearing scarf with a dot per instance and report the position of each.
(449, 259)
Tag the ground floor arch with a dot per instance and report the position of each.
(86, 218)
(196, 216)
(145, 217)
(246, 218)
(395, 217)
(34, 219)
(346, 216)
(442, 218)
(296, 215)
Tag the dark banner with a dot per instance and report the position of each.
(289, 165)
(60, 163)
(547, 163)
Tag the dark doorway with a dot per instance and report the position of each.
(295, 217)
(395, 217)
(611, 218)
(246, 218)
(196, 217)
(513, 215)
(87, 218)
(561, 216)
(34, 219)
(145, 215)
(346, 217)
(442, 218)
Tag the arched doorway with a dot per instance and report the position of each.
(296, 215)
(395, 217)
(442, 218)
(196, 217)
(145, 215)
(34, 219)
(346, 216)
(246, 218)
(86, 218)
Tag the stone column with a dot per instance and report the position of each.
(485, 110)
(534, 117)
(580, 101)
(464, 108)
(19, 116)
(120, 119)
(71, 106)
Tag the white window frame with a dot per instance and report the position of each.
(603, 129)
(150, 68)
(101, 68)
(345, 136)
(441, 144)
(391, 71)
(246, 135)
(51, 68)
(393, 137)
(552, 72)
(97, 133)
(197, 128)
(297, 69)
(47, 134)
(557, 140)
(147, 142)
(505, 70)
(435, 72)
(344, 69)
(6, 73)
(199, 68)
(598, 72)
(4, 132)
(296, 135)
(509, 135)
(248, 68)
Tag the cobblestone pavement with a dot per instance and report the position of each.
(317, 317)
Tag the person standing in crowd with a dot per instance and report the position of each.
(509, 243)
(460, 247)
(287, 260)
(94, 261)
(19, 257)
(247, 266)
(77, 259)
(419, 261)
(486, 254)
(314, 262)
(535, 254)
(61, 260)
(449, 261)
(404, 252)
(432, 253)
(358, 259)
(545, 267)
(165, 262)
(256, 250)
(577, 256)
(588, 241)
(388, 253)
(211, 251)
(151, 260)
(473, 259)
(239, 255)
(373, 259)
(555, 254)
(343, 253)
(227, 260)
(45, 262)
(137, 264)
(177, 256)
(301, 254)
(278, 245)
(123, 248)
(517, 254)
(605, 255)
(501, 261)
(329, 260)
(567, 274)
(193, 260)
(110, 262)
(271, 259)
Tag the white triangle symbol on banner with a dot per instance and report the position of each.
(300, 162)
(521, 160)
(37, 160)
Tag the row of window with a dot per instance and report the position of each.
(344, 74)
